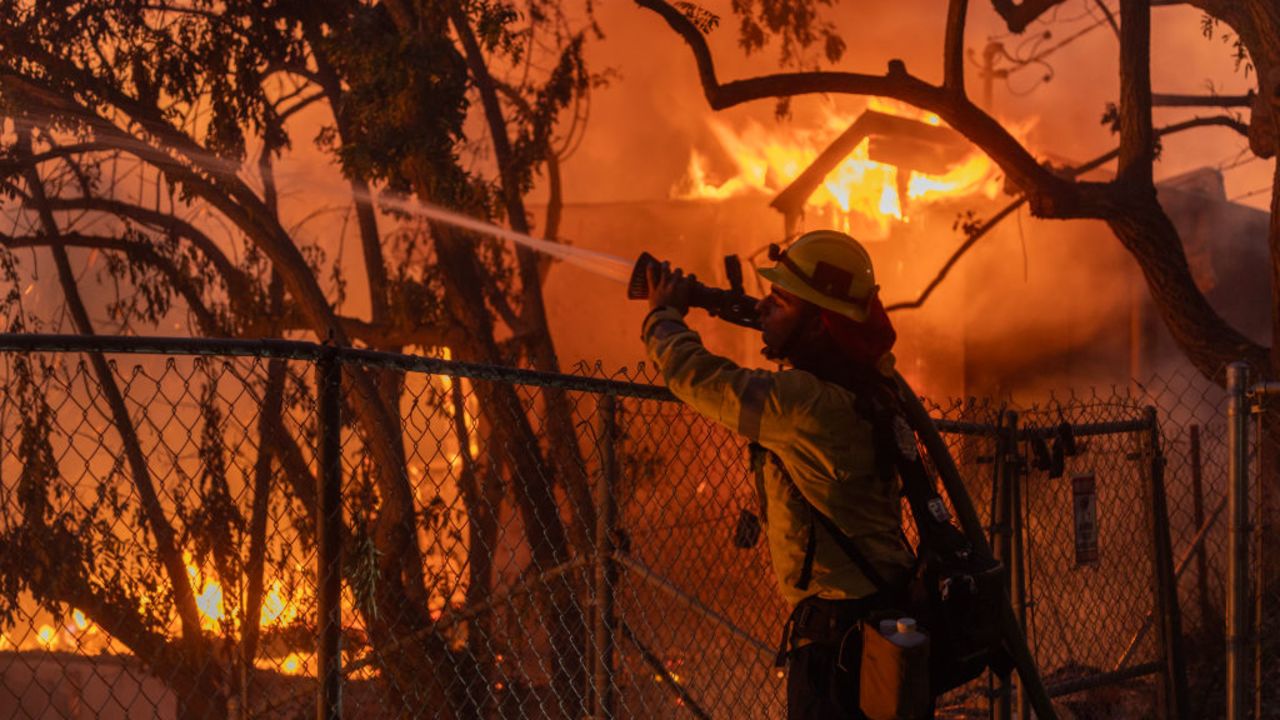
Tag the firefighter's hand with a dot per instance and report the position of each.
(668, 288)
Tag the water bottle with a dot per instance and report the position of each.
(905, 634)
(894, 682)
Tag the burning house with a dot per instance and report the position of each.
(1033, 306)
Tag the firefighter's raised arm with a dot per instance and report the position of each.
(749, 402)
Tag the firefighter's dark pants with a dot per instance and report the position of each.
(822, 647)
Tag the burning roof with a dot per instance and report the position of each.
(879, 164)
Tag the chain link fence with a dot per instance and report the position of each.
(1265, 563)
(513, 544)
(1252, 573)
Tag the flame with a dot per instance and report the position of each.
(208, 595)
(863, 194)
(47, 637)
(278, 609)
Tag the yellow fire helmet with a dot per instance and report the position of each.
(829, 269)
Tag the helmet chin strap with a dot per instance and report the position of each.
(785, 349)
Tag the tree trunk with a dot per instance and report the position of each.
(532, 478)
(1150, 237)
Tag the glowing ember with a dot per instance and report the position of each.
(864, 195)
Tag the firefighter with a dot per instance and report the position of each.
(812, 445)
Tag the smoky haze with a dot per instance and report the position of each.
(643, 127)
(1061, 296)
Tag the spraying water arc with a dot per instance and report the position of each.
(599, 263)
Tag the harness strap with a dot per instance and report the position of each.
(810, 550)
(850, 548)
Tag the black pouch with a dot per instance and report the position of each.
(747, 532)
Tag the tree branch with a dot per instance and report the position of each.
(953, 53)
(1048, 194)
(533, 313)
(140, 252)
(555, 200)
(161, 529)
(1018, 16)
(973, 237)
(1176, 100)
(1110, 16)
(987, 226)
(326, 76)
(238, 284)
(1137, 139)
(237, 202)
(273, 401)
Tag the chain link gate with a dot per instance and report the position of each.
(494, 570)
(1074, 498)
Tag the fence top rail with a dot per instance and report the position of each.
(310, 351)
(1048, 432)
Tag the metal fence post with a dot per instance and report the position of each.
(1197, 518)
(1017, 558)
(1237, 539)
(1167, 613)
(329, 555)
(606, 570)
(1261, 579)
(1007, 459)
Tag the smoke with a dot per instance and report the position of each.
(644, 124)
(1037, 303)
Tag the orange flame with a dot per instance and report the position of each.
(861, 193)
(47, 636)
(208, 595)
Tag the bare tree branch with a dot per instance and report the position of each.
(1049, 194)
(1110, 16)
(1137, 139)
(302, 104)
(977, 233)
(953, 53)
(1175, 100)
(1017, 16)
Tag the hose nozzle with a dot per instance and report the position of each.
(733, 305)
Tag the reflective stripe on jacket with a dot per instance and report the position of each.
(825, 452)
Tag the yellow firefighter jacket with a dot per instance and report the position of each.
(823, 449)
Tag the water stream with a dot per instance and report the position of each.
(599, 263)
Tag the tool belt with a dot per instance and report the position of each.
(827, 622)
